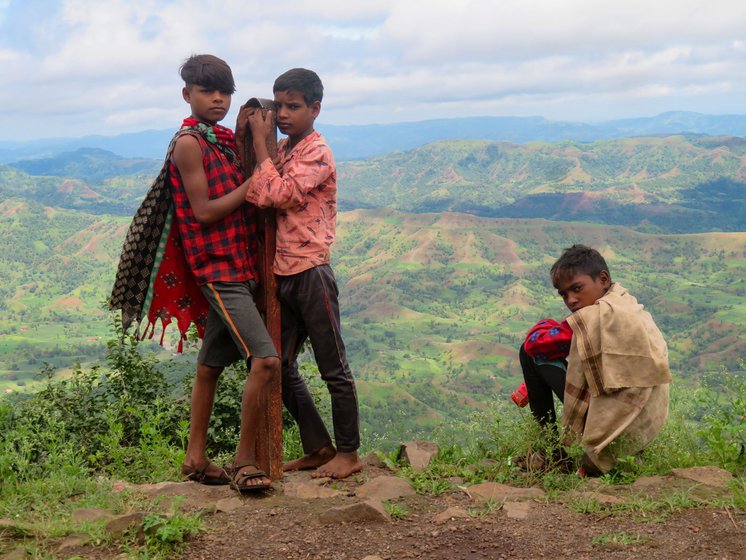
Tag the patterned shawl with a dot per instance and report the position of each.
(153, 279)
(617, 385)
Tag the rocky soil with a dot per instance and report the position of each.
(307, 519)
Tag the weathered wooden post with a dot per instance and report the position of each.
(269, 442)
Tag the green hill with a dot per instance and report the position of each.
(433, 304)
(674, 184)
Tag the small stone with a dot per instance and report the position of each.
(418, 454)
(309, 490)
(373, 460)
(450, 514)
(123, 523)
(18, 553)
(709, 476)
(368, 511)
(13, 528)
(517, 510)
(496, 492)
(74, 541)
(385, 488)
(91, 514)
(228, 504)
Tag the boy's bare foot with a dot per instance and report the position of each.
(342, 466)
(312, 460)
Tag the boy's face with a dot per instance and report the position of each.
(294, 117)
(580, 290)
(207, 104)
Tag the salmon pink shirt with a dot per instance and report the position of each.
(304, 192)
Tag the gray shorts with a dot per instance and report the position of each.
(235, 329)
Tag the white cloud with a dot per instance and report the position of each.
(76, 67)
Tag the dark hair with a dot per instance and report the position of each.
(307, 82)
(208, 71)
(578, 259)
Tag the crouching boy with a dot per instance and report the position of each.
(607, 362)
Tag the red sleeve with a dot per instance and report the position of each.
(548, 340)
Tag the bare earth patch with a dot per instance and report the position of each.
(292, 522)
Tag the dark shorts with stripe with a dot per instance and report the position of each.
(235, 329)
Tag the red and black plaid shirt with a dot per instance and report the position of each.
(225, 251)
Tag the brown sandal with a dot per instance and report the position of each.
(241, 474)
(199, 474)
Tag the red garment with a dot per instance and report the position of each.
(174, 293)
(225, 251)
(548, 340)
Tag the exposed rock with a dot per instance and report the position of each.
(91, 514)
(450, 514)
(496, 492)
(299, 486)
(483, 465)
(648, 482)
(13, 528)
(74, 541)
(517, 510)
(228, 504)
(599, 497)
(418, 454)
(120, 486)
(709, 476)
(373, 460)
(385, 488)
(18, 553)
(367, 511)
(196, 497)
(123, 523)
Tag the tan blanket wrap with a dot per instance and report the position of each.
(617, 378)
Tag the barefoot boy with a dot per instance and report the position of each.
(304, 192)
(216, 231)
(615, 389)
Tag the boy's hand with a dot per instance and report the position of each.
(261, 126)
(242, 120)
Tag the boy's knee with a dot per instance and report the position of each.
(208, 373)
(265, 369)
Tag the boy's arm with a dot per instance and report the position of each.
(548, 340)
(188, 160)
(268, 188)
(306, 171)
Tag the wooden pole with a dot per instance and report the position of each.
(269, 441)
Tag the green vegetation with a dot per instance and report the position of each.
(434, 306)
(673, 184)
(62, 447)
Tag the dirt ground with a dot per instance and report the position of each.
(277, 527)
(278, 531)
(283, 525)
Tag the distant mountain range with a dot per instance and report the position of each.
(352, 142)
(674, 184)
(663, 184)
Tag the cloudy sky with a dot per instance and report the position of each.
(78, 67)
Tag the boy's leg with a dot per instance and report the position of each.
(317, 444)
(234, 305)
(541, 382)
(315, 296)
(203, 397)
